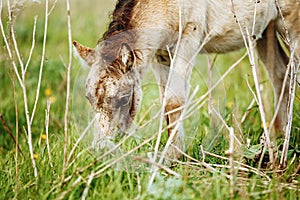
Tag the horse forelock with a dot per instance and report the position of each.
(111, 46)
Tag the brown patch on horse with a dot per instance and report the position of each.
(172, 116)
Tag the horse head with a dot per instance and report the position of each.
(112, 88)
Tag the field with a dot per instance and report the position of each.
(67, 168)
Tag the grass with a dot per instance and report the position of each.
(128, 178)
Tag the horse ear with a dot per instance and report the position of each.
(126, 55)
(88, 55)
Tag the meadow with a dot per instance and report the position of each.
(66, 166)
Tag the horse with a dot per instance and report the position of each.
(169, 33)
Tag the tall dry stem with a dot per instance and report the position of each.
(164, 100)
(230, 152)
(292, 86)
(210, 85)
(17, 127)
(86, 190)
(292, 70)
(38, 89)
(47, 118)
(231, 158)
(42, 60)
(68, 89)
(259, 100)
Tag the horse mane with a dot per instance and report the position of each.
(121, 18)
(119, 30)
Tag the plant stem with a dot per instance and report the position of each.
(68, 90)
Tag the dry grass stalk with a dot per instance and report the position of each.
(230, 152)
(38, 89)
(252, 169)
(293, 79)
(171, 71)
(47, 131)
(17, 125)
(210, 167)
(86, 189)
(197, 162)
(32, 43)
(64, 193)
(166, 169)
(251, 56)
(210, 85)
(226, 126)
(139, 186)
(231, 158)
(280, 97)
(68, 89)
(78, 155)
(247, 111)
(288, 40)
(292, 88)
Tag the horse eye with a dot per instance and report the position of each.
(123, 101)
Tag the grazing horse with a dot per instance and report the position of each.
(150, 32)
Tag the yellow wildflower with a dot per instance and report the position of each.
(44, 137)
(48, 92)
(35, 156)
